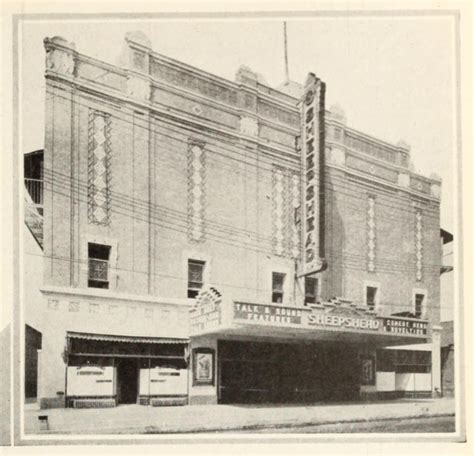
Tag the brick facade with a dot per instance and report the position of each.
(164, 163)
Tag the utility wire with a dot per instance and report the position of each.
(149, 208)
(175, 225)
(185, 280)
(235, 150)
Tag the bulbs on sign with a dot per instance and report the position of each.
(312, 156)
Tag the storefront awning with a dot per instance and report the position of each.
(131, 339)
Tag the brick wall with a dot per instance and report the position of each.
(245, 131)
(447, 370)
(395, 266)
(148, 181)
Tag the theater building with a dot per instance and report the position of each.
(216, 241)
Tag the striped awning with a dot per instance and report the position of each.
(131, 339)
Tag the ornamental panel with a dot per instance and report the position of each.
(279, 209)
(419, 245)
(196, 191)
(286, 200)
(371, 235)
(99, 172)
(371, 168)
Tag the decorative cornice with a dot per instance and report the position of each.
(168, 61)
(102, 92)
(379, 182)
(237, 111)
(376, 141)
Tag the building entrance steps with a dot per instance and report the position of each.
(136, 419)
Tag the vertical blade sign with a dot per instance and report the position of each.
(312, 155)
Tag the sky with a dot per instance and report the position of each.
(393, 76)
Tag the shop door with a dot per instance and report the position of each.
(127, 381)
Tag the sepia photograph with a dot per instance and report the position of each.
(237, 225)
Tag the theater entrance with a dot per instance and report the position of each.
(262, 372)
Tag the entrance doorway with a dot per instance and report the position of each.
(32, 345)
(127, 381)
(253, 372)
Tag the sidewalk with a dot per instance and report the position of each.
(136, 419)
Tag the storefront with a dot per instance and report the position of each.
(404, 372)
(261, 353)
(105, 370)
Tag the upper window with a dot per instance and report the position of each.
(310, 290)
(278, 281)
(419, 299)
(195, 277)
(371, 297)
(98, 265)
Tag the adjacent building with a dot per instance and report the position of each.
(215, 241)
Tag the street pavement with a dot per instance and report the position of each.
(137, 419)
(436, 424)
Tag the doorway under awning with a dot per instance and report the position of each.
(107, 368)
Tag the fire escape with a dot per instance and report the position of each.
(33, 194)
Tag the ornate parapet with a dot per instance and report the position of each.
(60, 56)
(436, 190)
(136, 52)
(246, 76)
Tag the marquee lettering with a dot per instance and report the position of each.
(341, 321)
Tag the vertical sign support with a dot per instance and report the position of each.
(312, 110)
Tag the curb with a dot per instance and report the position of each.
(243, 427)
(251, 427)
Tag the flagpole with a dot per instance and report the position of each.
(286, 54)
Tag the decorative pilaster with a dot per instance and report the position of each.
(138, 88)
(249, 126)
(404, 180)
(336, 156)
